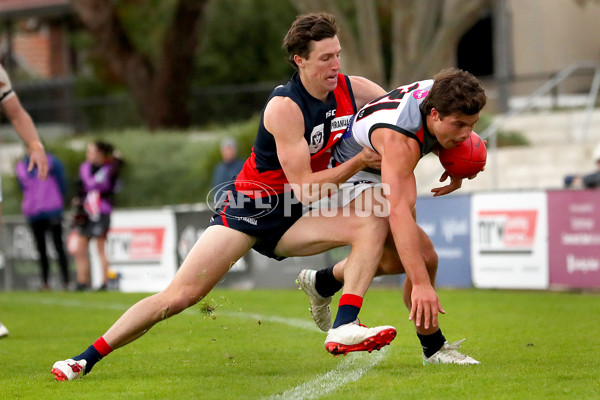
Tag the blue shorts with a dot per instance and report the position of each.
(265, 218)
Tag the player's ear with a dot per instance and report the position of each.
(434, 114)
(298, 60)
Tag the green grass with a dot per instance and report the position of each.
(533, 345)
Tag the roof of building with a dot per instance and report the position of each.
(11, 9)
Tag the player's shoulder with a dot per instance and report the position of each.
(365, 90)
(282, 112)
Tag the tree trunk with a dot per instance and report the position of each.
(161, 93)
(172, 81)
(424, 36)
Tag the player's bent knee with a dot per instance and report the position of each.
(173, 303)
(376, 228)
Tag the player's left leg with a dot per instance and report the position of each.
(366, 235)
(217, 249)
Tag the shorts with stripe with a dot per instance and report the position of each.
(265, 218)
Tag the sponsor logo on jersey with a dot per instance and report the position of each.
(420, 94)
(340, 123)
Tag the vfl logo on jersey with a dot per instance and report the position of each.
(420, 94)
(315, 142)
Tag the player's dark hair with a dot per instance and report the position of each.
(455, 91)
(305, 29)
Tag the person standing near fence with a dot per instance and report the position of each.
(97, 184)
(42, 205)
(23, 125)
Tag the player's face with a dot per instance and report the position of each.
(452, 129)
(319, 70)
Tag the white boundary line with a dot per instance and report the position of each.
(351, 369)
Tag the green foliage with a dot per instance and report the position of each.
(146, 23)
(242, 42)
(505, 138)
(261, 343)
(163, 168)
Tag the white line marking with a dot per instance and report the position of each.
(293, 322)
(351, 369)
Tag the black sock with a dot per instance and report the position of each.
(326, 284)
(91, 355)
(432, 343)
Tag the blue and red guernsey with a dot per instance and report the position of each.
(324, 124)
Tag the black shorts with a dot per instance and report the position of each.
(265, 218)
(97, 229)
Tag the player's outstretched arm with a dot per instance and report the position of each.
(399, 158)
(25, 128)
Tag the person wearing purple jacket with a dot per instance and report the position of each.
(42, 205)
(97, 183)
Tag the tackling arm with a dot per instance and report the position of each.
(285, 121)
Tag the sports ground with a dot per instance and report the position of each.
(262, 344)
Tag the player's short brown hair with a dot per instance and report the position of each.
(305, 29)
(455, 91)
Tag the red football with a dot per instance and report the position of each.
(466, 159)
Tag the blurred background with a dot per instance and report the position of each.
(167, 80)
(179, 66)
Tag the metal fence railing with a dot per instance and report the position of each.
(55, 102)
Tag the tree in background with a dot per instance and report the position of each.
(154, 57)
(159, 49)
(242, 43)
(397, 41)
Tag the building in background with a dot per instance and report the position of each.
(515, 47)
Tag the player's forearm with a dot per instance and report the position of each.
(319, 184)
(405, 233)
(23, 125)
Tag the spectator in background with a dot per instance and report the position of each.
(589, 181)
(42, 205)
(23, 125)
(227, 169)
(97, 184)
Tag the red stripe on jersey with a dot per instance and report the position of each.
(421, 135)
(274, 181)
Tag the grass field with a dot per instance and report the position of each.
(262, 344)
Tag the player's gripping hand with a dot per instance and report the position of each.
(425, 306)
(370, 158)
(455, 183)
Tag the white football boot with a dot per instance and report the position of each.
(319, 305)
(3, 331)
(357, 337)
(449, 354)
(69, 370)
